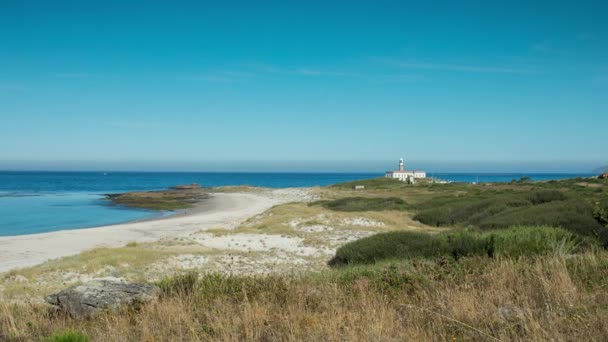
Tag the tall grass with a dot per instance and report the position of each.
(549, 297)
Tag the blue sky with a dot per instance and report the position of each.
(454, 86)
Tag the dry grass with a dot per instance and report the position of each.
(281, 219)
(547, 298)
(135, 262)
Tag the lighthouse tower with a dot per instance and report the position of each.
(405, 175)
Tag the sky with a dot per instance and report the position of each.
(299, 86)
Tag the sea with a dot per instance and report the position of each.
(38, 202)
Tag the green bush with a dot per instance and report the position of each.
(364, 204)
(600, 212)
(67, 336)
(401, 245)
(575, 211)
(513, 242)
(380, 183)
(525, 241)
(546, 196)
(573, 215)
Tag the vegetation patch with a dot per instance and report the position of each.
(580, 213)
(364, 204)
(172, 199)
(513, 242)
(372, 184)
(67, 336)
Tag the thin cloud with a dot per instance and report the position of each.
(601, 78)
(224, 76)
(238, 74)
(303, 71)
(454, 67)
(315, 72)
(74, 75)
(214, 78)
(144, 124)
(407, 78)
(11, 87)
(547, 47)
(586, 36)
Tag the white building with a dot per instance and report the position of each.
(405, 175)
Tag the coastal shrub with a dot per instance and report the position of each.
(526, 241)
(365, 204)
(575, 211)
(399, 245)
(468, 210)
(67, 336)
(464, 243)
(511, 243)
(381, 183)
(573, 215)
(600, 212)
(546, 196)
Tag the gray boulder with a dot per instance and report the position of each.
(88, 299)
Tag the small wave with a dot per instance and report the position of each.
(18, 194)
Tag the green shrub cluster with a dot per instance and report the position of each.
(546, 196)
(364, 204)
(381, 183)
(495, 210)
(67, 336)
(513, 242)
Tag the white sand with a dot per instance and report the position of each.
(255, 243)
(221, 210)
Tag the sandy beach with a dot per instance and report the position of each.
(224, 210)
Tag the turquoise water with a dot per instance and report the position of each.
(27, 213)
(36, 202)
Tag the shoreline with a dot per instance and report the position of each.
(220, 209)
(152, 215)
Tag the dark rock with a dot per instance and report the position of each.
(90, 298)
(510, 313)
(192, 186)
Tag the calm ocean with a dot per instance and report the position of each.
(36, 202)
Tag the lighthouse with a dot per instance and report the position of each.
(405, 175)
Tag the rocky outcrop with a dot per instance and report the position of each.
(88, 299)
(603, 175)
(192, 186)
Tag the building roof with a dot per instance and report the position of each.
(404, 171)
